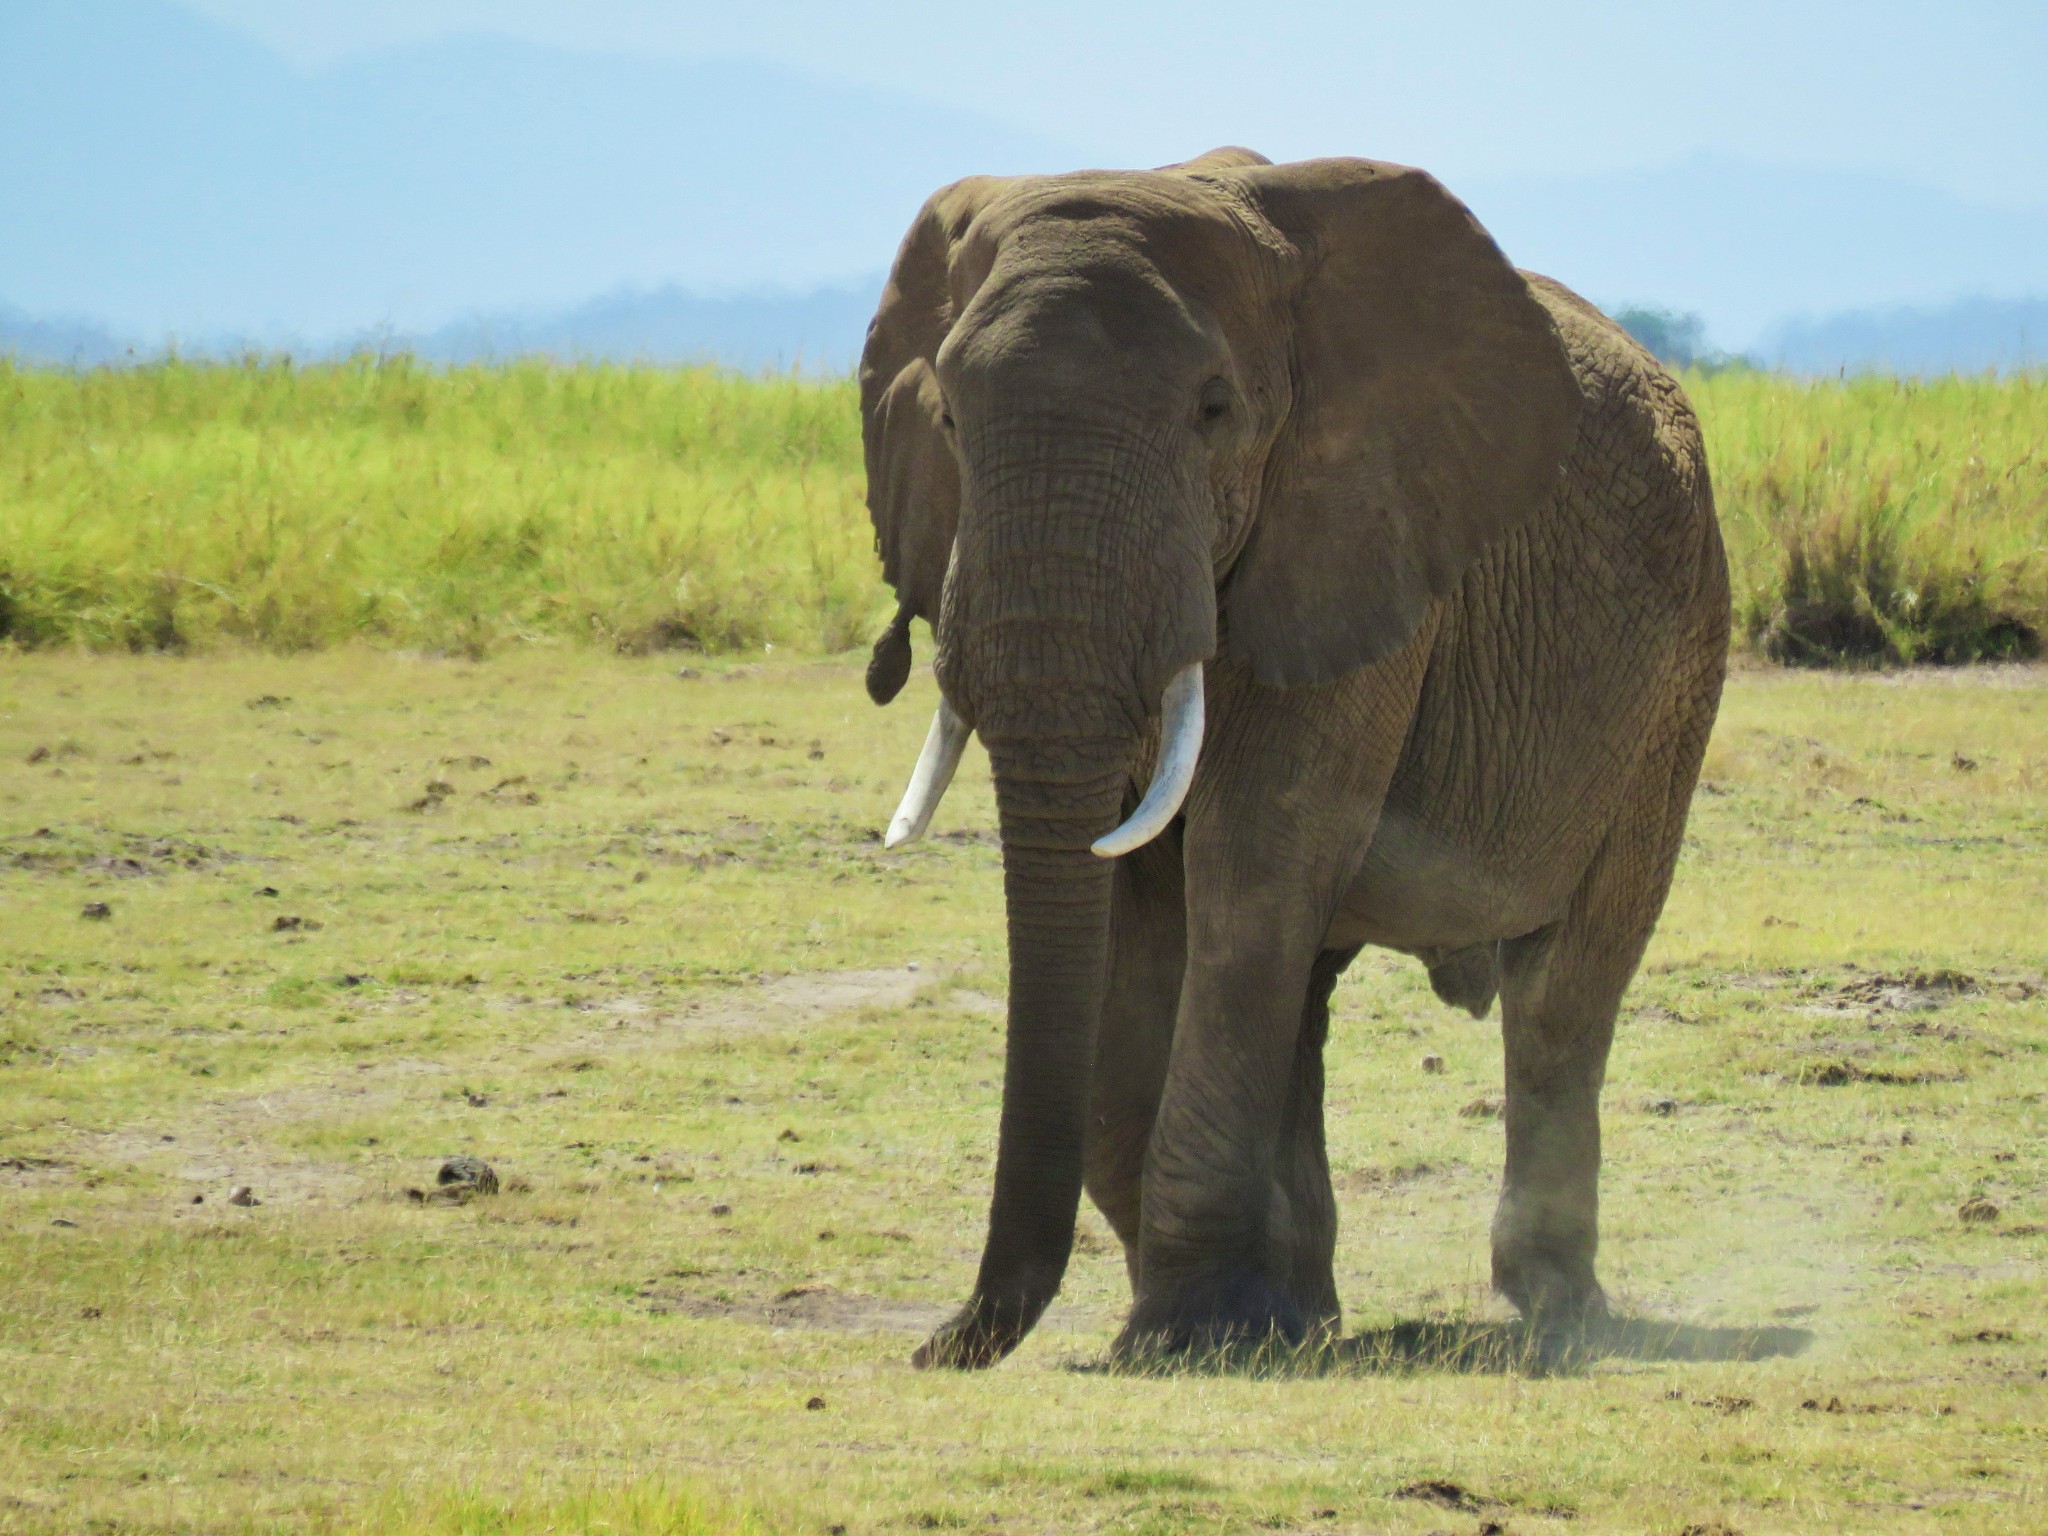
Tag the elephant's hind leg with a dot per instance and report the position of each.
(1560, 990)
(1148, 953)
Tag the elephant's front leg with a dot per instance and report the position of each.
(1218, 1238)
(1281, 813)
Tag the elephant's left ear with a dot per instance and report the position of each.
(1433, 408)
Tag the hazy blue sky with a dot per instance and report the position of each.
(1951, 95)
(281, 169)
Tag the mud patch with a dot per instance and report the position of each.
(1446, 1494)
(46, 852)
(1837, 1072)
(1903, 992)
(23, 1171)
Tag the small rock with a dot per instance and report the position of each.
(470, 1174)
(242, 1194)
(721, 1209)
(199, 1199)
(828, 1235)
(912, 966)
(98, 911)
(266, 890)
(1977, 1210)
(1661, 1106)
(814, 1405)
(787, 1134)
(36, 755)
(62, 1221)
(1433, 1063)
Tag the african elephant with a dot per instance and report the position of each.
(1314, 579)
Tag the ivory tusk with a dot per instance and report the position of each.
(1180, 736)
(943, 746)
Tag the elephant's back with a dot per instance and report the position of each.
(1638, 469)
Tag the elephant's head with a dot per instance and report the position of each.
(1115, 423)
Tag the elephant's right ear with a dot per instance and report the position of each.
(913, 482)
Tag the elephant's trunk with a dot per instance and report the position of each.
(1057, 894)
(1073, 601)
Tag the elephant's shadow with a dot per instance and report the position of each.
(1481, 1348)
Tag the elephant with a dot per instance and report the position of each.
(1314, 579)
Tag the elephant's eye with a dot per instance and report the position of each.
(946, 420)
(1214, 402)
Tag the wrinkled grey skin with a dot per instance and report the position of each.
(1442, 535)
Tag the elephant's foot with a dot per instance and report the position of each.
(979, 1334)
(1226, 1315)
(1551, 1286)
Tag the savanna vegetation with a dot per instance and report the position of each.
(336, 877)
(181, 505)
(309, 925)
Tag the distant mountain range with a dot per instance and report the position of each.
(164, 178)
(818, 332)
(821, 333)
(1969, 336)
(60, 343)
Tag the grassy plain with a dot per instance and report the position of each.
(457, 510)
(630, 938)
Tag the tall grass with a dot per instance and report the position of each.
(1882, 519)
(186, 504)
(183, 504)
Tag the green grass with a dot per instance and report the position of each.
(1882, 519)
(182, 505)
(652, 963)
